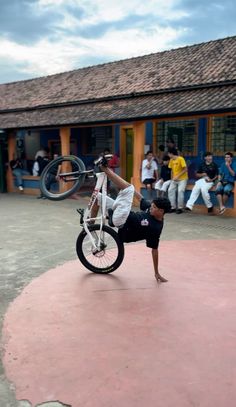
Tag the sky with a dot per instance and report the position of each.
(44, 37)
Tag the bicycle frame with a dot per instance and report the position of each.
(101, 184)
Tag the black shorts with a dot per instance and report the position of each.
(149, 181)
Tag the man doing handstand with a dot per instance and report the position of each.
(132, 226)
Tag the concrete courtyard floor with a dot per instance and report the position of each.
(74, 338)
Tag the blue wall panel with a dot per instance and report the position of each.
(149, 134)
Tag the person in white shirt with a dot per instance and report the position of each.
(149, 172)
(43, 152)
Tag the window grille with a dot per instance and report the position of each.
(183, 132)
(96, 139)
(223, 134)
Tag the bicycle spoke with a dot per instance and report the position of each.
(104, 257)
(62, 177)
(108, 254)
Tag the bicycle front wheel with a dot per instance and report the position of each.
(106, 258)
(62, 177)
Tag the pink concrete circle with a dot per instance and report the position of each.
(124, 340)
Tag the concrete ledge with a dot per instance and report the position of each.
(200, 206)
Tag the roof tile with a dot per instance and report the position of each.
(142, 107)
(210, 62)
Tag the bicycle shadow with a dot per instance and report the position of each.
(89, 276)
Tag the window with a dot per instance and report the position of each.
(32, 143)
(55, 147)
(96, 139)
(223, 134)
(184, 133)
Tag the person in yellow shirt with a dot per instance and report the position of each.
(179, 179)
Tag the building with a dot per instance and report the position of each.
(187, 93)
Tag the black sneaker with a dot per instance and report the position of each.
(100, 161)
(103, 160)
(110, 214)
(179, 211)
(188, 209)
(210, 210)
(172, 210)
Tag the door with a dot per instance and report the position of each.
(126, 156)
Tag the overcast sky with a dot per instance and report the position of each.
(43, 37)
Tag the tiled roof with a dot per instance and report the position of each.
(142, 107)
(113, 86)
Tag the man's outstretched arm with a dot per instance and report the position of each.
(155, 258)
(137, 195)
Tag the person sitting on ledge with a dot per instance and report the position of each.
(225, 185)
(18, 171)
(207, 173)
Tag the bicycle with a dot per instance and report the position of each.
(98, 245)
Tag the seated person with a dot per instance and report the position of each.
(207, 173)
(149, 172)
(39, 164)
(18, 171)
(132, 226)
(163, 183)
(225, 185)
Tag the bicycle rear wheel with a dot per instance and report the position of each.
(69, 180)
(108, 257)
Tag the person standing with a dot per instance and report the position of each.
(39, 165)
(170, 143)
(207, 173)
(225, 185)
(149, 172)
(113, 164)
(161, 153)
(43, 152)
(179, 179)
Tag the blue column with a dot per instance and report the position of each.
(202, 138)
(117, 139)
(148, 135)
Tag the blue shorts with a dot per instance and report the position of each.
(225, 189)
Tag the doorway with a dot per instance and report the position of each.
(127, 147)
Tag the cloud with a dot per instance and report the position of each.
(44, 57)
(208, 20)
(51, 36)
(20, 22)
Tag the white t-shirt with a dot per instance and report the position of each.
(146, 172)
(40, 153)
(35, 169)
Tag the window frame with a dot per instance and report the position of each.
(98, 151)
(218, 153)
(156, 143)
